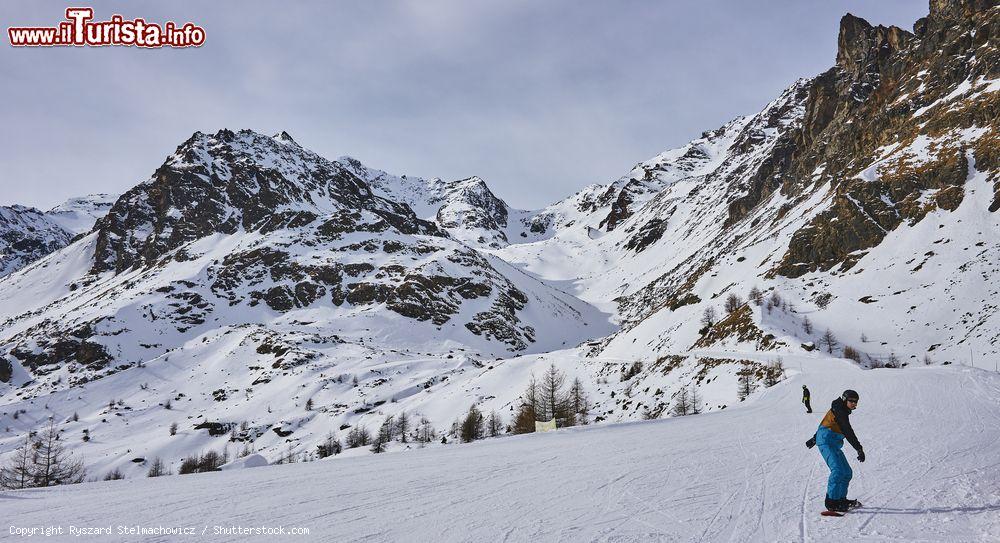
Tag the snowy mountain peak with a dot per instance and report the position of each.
(78, 215)
(234, 181)
(284, 137)
(466, 208)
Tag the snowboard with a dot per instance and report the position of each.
(829, 513)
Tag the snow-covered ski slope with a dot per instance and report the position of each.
(742, 474)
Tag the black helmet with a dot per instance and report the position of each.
(849, 395)
(803, 386)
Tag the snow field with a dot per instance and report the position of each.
(741, 474)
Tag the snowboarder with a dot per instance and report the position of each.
(834, 428)
(805, 399)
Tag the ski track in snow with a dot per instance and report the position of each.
(739, 475)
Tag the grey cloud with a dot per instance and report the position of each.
(538, 98)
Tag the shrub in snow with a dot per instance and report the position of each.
(708, 317)
(829, 340)
(851, 353)
(746, 384)
(633, 370)
(210, 461)
(329, 447)
(733, 302)
(157, 469)
(774, 372)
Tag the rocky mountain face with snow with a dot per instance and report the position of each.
(249, 275)
(466, 208)
(236, 222)
(862, 201)
(27, 234)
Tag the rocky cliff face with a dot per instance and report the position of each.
(892, 126)
(26, 235)
(230, 182)
(816, 195)
(466, 208)
(237, 228)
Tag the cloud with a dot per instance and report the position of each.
(538, 98)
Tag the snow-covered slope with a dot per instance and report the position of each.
(466, 208)
(249, 277)
(78, 215)
(743, 474)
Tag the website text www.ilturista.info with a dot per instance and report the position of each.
(80, 30)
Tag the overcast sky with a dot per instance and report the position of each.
(540, 98)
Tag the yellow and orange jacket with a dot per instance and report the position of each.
(838, 420)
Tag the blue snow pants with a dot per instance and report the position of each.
(831, 445)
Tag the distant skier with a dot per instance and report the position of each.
(835, 427)
(805, 399)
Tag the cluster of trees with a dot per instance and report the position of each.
(771, 302)
(202, 463)
(158, 469)
(329, 447)
(891, 361)
(774, 372)
(41, 461)
(732, 304)
(547, 400)
(399, 427)
(687, 401)
(829, 341)
(631, 371)
(357, 436)
(474, 425)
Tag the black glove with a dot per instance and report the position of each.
(811, 443)
(861, 456)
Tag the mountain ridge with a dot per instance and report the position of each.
(861, 201)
